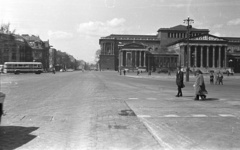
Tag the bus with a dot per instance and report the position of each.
(1, 68)
(23, 67)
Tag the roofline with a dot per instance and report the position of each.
(193, 29)
(22, 63)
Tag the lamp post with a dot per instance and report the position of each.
(188, 21)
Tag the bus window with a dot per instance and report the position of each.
(35, 65)
(26, 66)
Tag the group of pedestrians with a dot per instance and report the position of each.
(218, 77)
(199, 85)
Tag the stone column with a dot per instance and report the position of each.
(102, 52)
(213, 57)
(121, 54)
(225, 56)
(103, 48)
(140, 64)
(195, 60)
(112, 48)
(135, 58)
(144, 58)
(201, 56)
(181, 58)
(219, 57)
(131, 58)
(207, 56)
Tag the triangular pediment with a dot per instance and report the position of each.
(207, 37)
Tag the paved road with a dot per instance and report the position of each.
(70, 110)
(93, 110)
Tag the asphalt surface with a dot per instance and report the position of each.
(108, 111)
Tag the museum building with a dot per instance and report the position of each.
(168, 49)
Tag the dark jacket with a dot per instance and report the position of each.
(179, 79)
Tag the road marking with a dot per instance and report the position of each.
(151, 98)
(226, 115)
(143, 116)
(199, 115)
(171, 115)
(132, 98)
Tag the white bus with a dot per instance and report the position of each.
(23, 67)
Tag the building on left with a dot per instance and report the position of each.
(24, 48)
(14, 48)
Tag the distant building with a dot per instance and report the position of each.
(40, 49)
(14, 48)
(52, 58)
(168, 49)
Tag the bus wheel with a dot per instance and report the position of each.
(16, 72)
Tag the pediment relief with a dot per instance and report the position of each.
(134, 45)
(207, 37)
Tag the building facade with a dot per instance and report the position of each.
(14, 48)
(170, 48)
(40, 49)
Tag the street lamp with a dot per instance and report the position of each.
(188, 21)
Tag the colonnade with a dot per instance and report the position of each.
(132, 58)
(107, 48)
(204, 56)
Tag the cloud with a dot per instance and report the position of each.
(234, 22)
(217, 34)
(97, 28)
(59, 34)
(218, 26)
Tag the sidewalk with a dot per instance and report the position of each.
(173, 75)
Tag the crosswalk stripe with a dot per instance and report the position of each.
(144, 116)
(226, 115)
(132, 98)
(199, 115)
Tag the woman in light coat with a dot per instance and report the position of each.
(199, 86)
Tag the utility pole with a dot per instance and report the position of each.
(188, 21)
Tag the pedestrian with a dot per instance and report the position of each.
(211, 78)
(149, 72)
(138, 72)
(53, 70)
(228, 73)
(124, 72)
(199, 86)
(216, 78)
(179, 81)
(169, 72)
(220, 78)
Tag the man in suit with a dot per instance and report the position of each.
(179, 81)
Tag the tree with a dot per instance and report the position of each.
(5, 28)
(97, 55)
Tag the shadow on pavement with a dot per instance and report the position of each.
(210, 99)
(12, 137)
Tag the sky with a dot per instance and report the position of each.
(75, 26)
